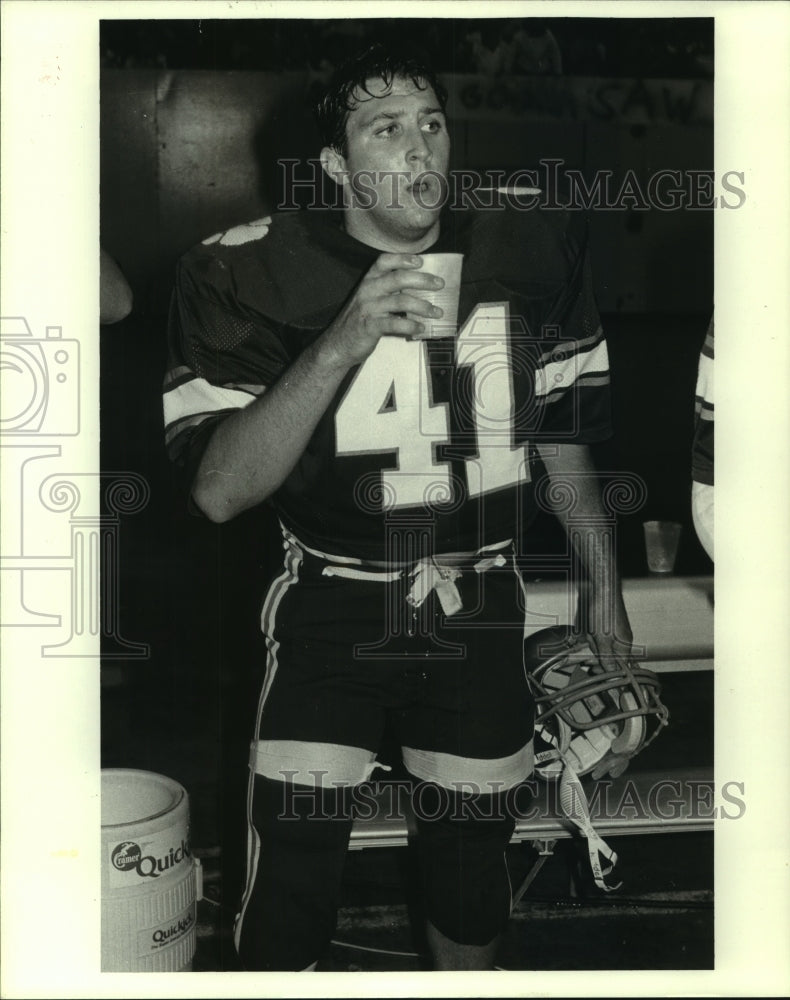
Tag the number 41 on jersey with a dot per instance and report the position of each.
(389, 408)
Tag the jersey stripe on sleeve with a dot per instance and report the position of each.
(188, 400)
(576, 364)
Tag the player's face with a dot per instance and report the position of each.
(397, 159)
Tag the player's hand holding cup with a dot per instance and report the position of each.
(390, 300)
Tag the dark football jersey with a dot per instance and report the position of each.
(430, 439)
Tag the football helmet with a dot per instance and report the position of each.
(591, 716)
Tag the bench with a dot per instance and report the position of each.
(672, 619)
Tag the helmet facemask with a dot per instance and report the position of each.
(593, 717)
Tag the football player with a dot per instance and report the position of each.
(400, 466)
(702, 452)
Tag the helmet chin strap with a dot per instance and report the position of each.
(574, 806)
(573, 802)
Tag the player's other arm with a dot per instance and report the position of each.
(570, 466)
(253, 450)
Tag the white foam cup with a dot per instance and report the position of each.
(446, 266)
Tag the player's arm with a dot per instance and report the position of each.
(570, 466)
(253, 450)
(115, 295)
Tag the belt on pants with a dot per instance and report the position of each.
(438, 573)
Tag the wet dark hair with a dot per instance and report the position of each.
(379, 62)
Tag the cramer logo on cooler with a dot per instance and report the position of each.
(128, 856)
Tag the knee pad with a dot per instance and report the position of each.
(297, 842)
(462, 842)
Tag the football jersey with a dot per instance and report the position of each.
(434, 439)
(702, 453)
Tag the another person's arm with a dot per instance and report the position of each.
(115, 295)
